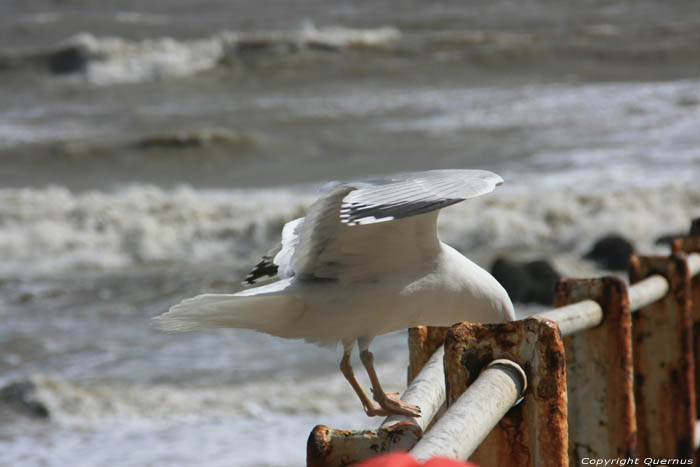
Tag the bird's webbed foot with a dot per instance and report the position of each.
(392, 405)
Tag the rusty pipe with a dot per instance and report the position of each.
(472, 417)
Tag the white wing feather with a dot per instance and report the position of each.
(290, 241)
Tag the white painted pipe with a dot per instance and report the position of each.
(653, 288)
(469, 420)
(427, 391)
(647, 291)
(588, 313)
(575, 317)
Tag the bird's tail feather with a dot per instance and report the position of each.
(266, 313)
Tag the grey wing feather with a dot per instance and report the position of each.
(412, 194)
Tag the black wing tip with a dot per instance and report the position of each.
(264, 269)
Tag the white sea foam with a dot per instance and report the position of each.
(89, 404)
(182, 424)
(52, 229)
(342, 37)
(116, 60)
(656, 107)
(179, 425)
(18, 133)
(565, 220)
(113, 60)
(139, 17)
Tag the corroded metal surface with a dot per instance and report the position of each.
(599, 375)
(691, 245)
(663, 362)
(469, 420)
(328, 447)
(534, 433)
(422, 343)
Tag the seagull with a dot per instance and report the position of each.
(366, 260)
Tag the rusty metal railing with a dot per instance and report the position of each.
(611, 374)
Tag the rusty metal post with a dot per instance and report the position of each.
(423, 341)
(691, 246)
(599, 373)
(534, 433)
(461, 430)
(328, 447)
(664, 381)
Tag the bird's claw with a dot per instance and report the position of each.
(390, 404)
(396, 406)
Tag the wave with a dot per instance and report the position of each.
(115, 60)
(53, 229)
(164, 425)
(48, 230)
(199, 137)
(73, 403)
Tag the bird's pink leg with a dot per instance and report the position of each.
(390, 402)
(371, 409)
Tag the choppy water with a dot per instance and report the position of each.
(151, 153)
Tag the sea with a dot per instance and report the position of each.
(152, 151)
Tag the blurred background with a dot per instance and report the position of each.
(151, 151)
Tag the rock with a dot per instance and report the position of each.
(668, 239)
(21, 396)
(695, 227)
(71, 59)
(527, 282)
(611, 251)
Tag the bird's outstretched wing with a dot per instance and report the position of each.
(346, 235)
(413, 194)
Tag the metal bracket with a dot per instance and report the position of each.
(664, 382)
(602, 422)
(534, 432)
(691, 244)
(332, 447)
